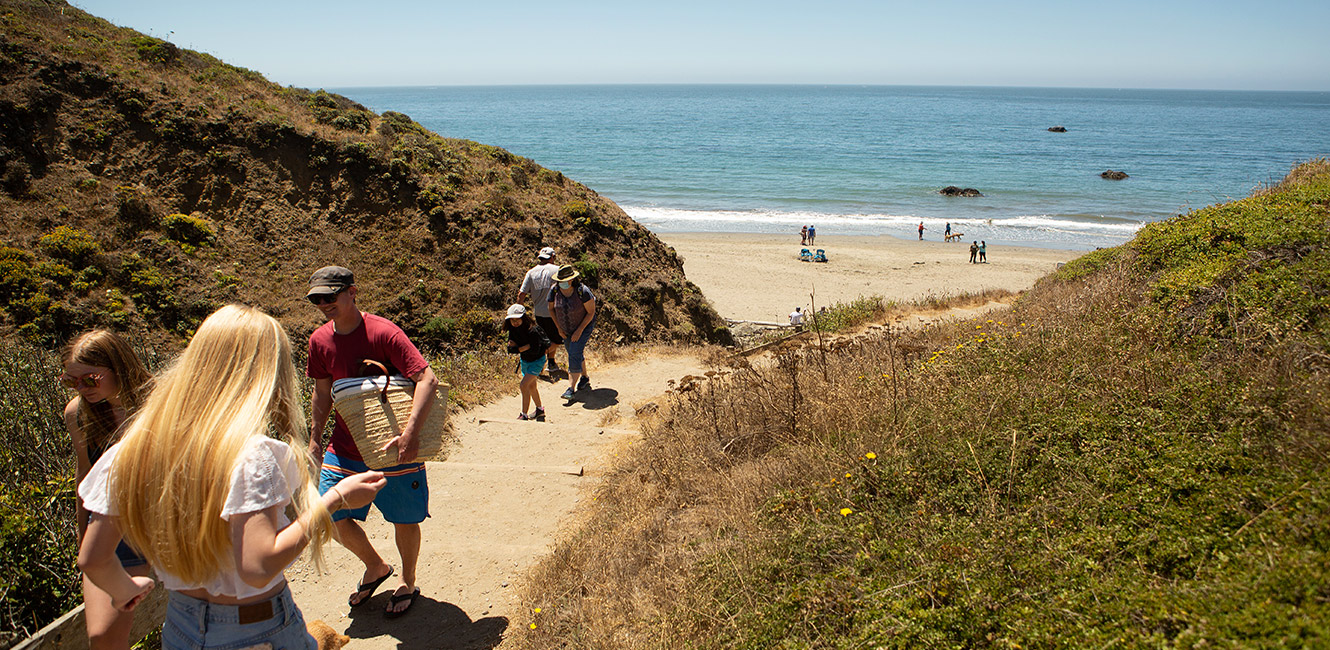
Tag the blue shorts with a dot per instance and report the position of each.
(532, 367)
(129, 558)
(193, 623)
(404, 500)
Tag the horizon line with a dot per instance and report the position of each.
(811, 84)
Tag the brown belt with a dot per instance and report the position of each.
(255, 612)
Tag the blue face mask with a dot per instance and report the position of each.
(565, 285)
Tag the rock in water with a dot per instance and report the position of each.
(1113, 176)
(1058, 129)
(952, 190)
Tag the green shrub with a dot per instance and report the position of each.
(73, 245)
(845, 315)
(436, 195)
(17, 279)
(187, 229)
(588, 269)
(580, 213)
(154, 50)
(357, 153)
(55, 272)
(150, 289)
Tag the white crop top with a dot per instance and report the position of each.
(262, 478)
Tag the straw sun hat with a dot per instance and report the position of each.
(565, 273)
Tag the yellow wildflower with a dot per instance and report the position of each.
(870, 455)
(845, 512)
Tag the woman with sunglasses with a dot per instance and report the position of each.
(111, 383)
(198, 485)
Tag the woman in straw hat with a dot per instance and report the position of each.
(201, 490)
(574, 309)
(111, 383)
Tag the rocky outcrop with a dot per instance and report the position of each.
(952, 190)
(1058, 129)
(1113, 175)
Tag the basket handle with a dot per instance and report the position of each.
(383, 394)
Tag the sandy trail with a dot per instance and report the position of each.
(496, 504)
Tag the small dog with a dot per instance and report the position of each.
(327, 637)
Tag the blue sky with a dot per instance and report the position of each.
(1219, 44)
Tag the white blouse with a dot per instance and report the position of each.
(263, 477)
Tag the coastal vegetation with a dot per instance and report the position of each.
(142, 185)
(1133, 456)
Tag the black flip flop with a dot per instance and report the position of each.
(410, 598)
(370, 587)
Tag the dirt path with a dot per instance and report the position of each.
(497, 504)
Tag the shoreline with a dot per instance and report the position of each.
(750, 276)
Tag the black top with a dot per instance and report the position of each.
(528, 335)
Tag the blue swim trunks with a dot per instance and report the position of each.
(404, 500)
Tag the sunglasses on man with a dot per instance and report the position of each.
(90, 380)
(325, 298)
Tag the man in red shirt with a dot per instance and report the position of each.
(336, 351)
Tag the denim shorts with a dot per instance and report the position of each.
(404, 500)
(193, 624)
(129, 558)
(532, 367)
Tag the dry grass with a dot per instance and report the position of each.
(737, 481)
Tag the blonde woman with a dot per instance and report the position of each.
(111, 383)
(198, 486)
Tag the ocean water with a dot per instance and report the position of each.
(870, 159)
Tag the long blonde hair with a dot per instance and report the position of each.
(172, 474)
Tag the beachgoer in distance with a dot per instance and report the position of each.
(111, 383)
(197, 485)
(803, 236)
(921, 231)
(983, 252)
(946, 235)
(337, 350)
(536, 286)
(974, 250)
(574, 309)
(797, 317)
(812, 234)
(527, 339)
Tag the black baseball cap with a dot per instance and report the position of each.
(330, 280)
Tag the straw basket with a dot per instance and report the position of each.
(375, 409)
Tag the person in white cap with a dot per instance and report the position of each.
(536, 286)
(529, 342)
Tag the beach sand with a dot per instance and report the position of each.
(759, 277)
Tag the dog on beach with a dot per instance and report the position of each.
(327, 637)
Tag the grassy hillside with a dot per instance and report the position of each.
(142, 185)
(1135, 456)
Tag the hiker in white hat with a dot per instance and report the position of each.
(527, 339)
(536, 286)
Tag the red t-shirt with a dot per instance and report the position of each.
(337, 356)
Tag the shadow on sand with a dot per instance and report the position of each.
(598, 398)
(430, 624)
